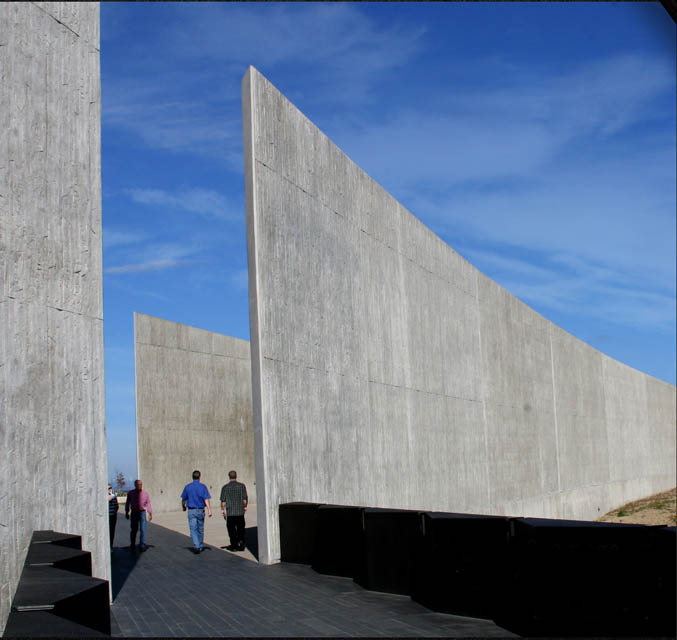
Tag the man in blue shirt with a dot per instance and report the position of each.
(194, 498)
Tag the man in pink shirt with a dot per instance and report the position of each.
(138, 502)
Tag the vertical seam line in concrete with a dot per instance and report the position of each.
(554, 413)
(490, 506)
(609, 481)
(255, 340)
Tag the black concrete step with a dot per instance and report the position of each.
(54, 555)
(46, 624)
(69, 595)
(57, 538)
(44, 586)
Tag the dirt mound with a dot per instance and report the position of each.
(658, 509)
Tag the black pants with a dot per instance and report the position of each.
(112, 521)
(235, 526)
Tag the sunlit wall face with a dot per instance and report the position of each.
(193, 409)
(389, 372)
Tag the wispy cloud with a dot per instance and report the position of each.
(153, 265)
(515, 131)
(567, 282)
(205, 202)
(122, 284)
(155, 258)
(194, 107)
(617, 305)
(338, 38)
(611, 215)
(116, 238)
(173, 125)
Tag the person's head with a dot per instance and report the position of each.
(110, 488)
(196, 475)
(232, 475)
(138, 485)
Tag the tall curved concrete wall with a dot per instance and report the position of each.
(193, 409)
(388, 371)
(52, 430)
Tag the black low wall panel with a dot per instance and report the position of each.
(664, 612)
(337, 540)
(298, 523)
(459, 568)
(388, 542)
(578, 578)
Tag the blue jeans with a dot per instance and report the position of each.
(138, 523)
(196, 524)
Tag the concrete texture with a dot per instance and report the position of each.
(52, 433)
(388, 371)
(193, 410)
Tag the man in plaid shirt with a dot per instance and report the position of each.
(234, 502)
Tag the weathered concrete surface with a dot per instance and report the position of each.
(193, 410)
(388, 371)
(52, 433)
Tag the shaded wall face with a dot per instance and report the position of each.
(193, 410)
(52, 432)
(387, 371)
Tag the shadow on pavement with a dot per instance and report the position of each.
(122, 562)
(251, 540)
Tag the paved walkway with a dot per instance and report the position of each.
(168, 591)
(216, 534)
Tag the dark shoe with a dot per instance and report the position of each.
(143, 547)
(197, 551)
(230, 547)
(240, 548)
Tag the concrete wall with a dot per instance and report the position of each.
(388, 371)
(193, 409)
(52, 433)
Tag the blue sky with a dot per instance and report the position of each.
(536, 139)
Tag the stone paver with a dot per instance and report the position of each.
(168, 591)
